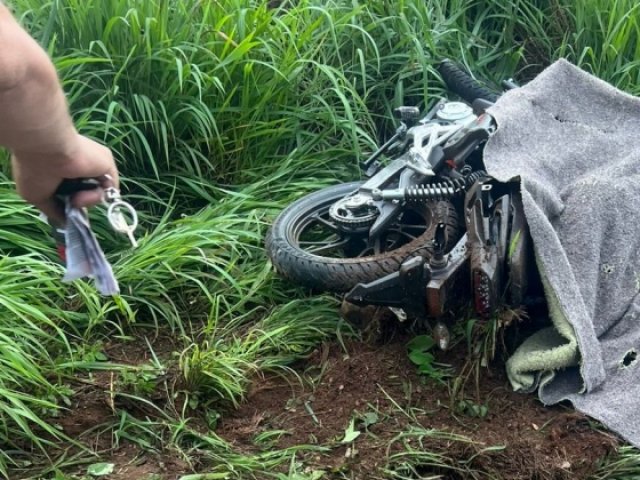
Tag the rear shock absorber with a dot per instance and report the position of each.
(446, 189)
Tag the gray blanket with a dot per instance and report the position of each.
(572, 140)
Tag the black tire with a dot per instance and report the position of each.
(341, 274)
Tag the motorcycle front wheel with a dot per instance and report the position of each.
(307, 246)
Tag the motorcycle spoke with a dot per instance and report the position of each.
(404, 230)
(322, 247)
(331, 226)
(407, 226)
(377, 246)
(404, 234)
(323, 236)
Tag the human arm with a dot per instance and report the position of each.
(36, 127)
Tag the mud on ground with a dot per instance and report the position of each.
(378, 387)
(401, 424)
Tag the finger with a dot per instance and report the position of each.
(114, 178)
(105, 173)
(97, 163)
(109, 180)
(106, 176)
(102, 167)
(87, 198)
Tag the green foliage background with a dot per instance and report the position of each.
(221, 113)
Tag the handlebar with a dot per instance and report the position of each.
(463, 84)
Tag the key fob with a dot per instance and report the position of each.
(70, 186)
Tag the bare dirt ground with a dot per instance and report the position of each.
(400, 423)
(518, 438)
(97, 405)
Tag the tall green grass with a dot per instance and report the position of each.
(232, 89)
(239, 85)
(220, 114)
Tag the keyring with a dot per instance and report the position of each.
(119, 222)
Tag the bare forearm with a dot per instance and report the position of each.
(36, 126)
(34, 117)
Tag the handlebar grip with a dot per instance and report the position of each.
(463, 84)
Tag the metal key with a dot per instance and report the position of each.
(117, 218)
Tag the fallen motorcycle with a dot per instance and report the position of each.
(427, 230)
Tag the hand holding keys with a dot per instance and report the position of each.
(82, 253)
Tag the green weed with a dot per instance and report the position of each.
(419, 353)
(220, 114)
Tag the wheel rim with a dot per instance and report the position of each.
(316, 233)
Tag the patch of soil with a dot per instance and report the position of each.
(90, 418)
(378, 389)
(405, 424)
(96, 407)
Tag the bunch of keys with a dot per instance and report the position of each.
(118, 220)
(77, 244)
